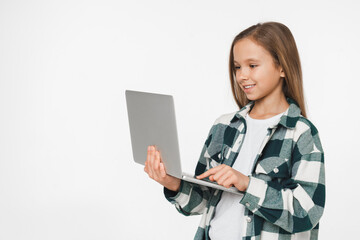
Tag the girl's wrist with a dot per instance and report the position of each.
(174, 185)
(244, 183)
(247, 181)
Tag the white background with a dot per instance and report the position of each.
(66, 167)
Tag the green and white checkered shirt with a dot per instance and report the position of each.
(286, 194)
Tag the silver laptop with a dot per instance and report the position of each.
(152, 122)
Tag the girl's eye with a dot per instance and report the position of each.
(252, 65)
(237, 67)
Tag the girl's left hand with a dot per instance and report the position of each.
(226, 176)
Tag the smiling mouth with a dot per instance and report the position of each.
(249, 86)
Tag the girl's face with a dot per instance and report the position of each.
(256, 72)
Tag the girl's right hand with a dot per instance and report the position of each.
(155, 168)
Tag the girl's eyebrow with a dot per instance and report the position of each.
(249, 60)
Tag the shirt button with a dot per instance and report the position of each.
(276, 170)
(247, 204)
(248, 219)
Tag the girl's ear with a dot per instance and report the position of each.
(282, 74)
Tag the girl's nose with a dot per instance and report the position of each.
(242, 75)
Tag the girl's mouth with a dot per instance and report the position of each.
(248, 88)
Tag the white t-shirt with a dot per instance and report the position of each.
(229, 221)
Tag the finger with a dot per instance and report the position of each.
(209, 172)
(206, 174)
(153, 156)
(221, 173)
(151, 161)
(229, 182)
(157, 160)
(147, 159)
(156, 170)
(221, 179)
(162, 170)
(211, 178)
(146, 167)
(148, 154)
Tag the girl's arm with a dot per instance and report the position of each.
(295, 204)
(191, 199)
(155, 168)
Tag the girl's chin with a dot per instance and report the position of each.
(251, 97)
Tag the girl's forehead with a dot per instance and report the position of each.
(247, 49)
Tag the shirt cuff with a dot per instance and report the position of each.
(172, 195)
(254, 194)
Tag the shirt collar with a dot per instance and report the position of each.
(288, 119)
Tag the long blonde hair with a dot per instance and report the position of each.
(277, 39)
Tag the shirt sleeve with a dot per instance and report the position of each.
(295, 204)
(192, 198)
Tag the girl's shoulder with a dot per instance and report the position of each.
(225, 119)
(306, 134)
(304, 124)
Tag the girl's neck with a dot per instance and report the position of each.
(269, 106)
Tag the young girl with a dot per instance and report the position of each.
(268, 149)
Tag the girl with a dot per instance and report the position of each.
(268, 149)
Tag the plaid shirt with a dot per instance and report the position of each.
(286, 194)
